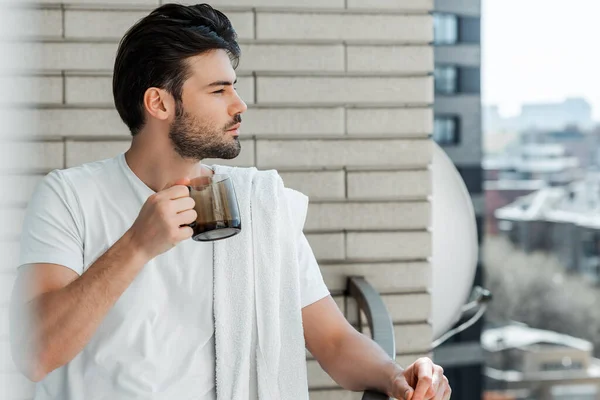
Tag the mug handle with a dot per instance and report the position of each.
(193, 224)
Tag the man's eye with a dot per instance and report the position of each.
(220, 91)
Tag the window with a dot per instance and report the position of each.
(446, 79)
(445, 29)
(445, 130)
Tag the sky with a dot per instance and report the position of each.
(540, 51)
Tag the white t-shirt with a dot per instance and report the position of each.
(157, 342)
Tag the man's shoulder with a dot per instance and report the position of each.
(85, 173)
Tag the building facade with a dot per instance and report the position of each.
(458, 129)
(340, 96)
(543, 365)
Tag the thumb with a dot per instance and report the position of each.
(402, 390)
(180, 181)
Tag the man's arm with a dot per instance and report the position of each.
(357, 363)
(54, 313)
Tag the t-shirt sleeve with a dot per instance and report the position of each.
(312, 286)
(52, 228)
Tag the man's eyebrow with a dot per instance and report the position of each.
(222, 83)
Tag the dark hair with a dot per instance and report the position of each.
(154, 51)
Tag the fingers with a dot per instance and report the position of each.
(447, 394)
(401, 389)
(442, 389)
(424, 389)
(186, 217)
(439, 379)
(182, 204)
(175, 192)
(201, 181)
(181, 181)
(185, 232)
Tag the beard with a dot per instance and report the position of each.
(196, 140)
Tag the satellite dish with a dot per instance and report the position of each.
(455, 246)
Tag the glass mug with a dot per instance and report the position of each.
(217, 208)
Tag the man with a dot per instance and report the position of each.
(120, 300)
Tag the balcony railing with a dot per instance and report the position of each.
(378, 318)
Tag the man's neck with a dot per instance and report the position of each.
(159, 165)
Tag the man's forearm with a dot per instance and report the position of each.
(64, 321)
(360, 364)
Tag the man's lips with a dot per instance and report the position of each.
(236, 127)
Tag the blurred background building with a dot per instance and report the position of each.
(458, 129)
(532, 363)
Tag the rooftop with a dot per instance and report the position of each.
(517, 336)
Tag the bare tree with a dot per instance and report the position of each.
(536, 290)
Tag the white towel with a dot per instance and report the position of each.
(256, 283)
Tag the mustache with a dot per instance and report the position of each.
(237, 119)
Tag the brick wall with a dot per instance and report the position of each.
(339, 95)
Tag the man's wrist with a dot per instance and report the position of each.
(135, 247)
(395, 371)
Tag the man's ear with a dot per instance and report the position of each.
(159, 104)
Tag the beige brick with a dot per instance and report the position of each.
(25, 23)
(10, 254)
(16, 386)
(32, 90)
(100, 23)
(389, 185)
(317, 377)
(98, 90)
(61, 56)
(6, 363)
(388, 245)
(402, 308)
(410, 338)
(7, 281)
(89, 90)
(344, 90)
(317, 185)
(340, 153)
(79, 123)
(19, 188)
(413, 338)
(104, 2)
(288, 57)
(385, 277)
(359, 216)
(324, 26)
(84, 152)
(293, 121)
(31, 156)
(408, 307)
(412, 5)
(408, 359)
(273, 3)
(399, 59)
(395, 121)
(114, 24)
(335, 395)
(328, 246)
